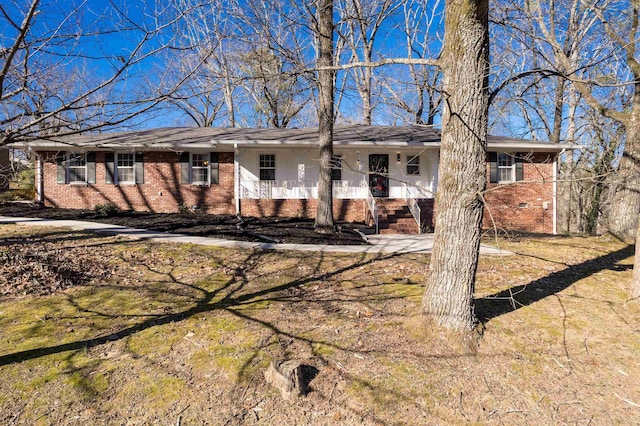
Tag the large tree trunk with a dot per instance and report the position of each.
(564, 187)
(623, 217)
(366, 97)
(228, 95)
(448, 297)
(324, 213)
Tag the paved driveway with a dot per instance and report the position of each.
(400, 243)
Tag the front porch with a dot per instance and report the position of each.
(387, 189)
(412, 213)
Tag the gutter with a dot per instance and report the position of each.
(555, 193)
(236, 177)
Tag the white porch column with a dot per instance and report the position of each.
(236, 177)
(39, 179)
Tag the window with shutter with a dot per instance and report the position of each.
(77, 168)
(200, 169)
(506, 168)
(125, 168)
(336, 167)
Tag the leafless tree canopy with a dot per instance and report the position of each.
(70, 67)
(563, 71)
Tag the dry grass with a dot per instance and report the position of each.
(182, 333)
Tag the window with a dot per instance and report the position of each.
(125, 166)
(413, 165)
(77, 168)
(200, 169)
(267, 167)
(336, 167)
(506, 168)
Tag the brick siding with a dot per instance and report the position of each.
(521, 205)
(161, 191)
(343, 210)
(517, 206)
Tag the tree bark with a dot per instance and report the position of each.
(564, 187)
(623, 217)
(448, 298)
(324, 213)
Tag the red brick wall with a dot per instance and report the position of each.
(520, 205)
(160, 192)
(517, 206)
(344, 210)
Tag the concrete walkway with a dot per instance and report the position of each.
(422, 243)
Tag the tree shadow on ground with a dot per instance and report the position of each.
(227, 297)
(517, 297)
(235, 293)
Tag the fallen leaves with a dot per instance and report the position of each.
(41, 268)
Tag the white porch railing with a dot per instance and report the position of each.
(272, 189)
(347, 189)
(287, 189)
(413, 205)
(373, 208)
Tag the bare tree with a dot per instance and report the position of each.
(324, 34)
(448, 298)
(547, 102)
(618, 21)
(61, 73)
(634, 293)
(360, 22)
(209, 96)
(278, 95)
(418, 97)
(594, 169)
(613, 68)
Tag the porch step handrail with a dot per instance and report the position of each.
(413, 205)
(373, 208)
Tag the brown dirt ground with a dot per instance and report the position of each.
(103, 330)
(269, 229)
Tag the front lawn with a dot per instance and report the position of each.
(105, 330)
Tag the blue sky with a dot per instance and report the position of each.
(102, 34)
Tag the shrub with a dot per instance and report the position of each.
(107, 209)
(21, 186)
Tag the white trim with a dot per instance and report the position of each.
(274, 168)
(116, 168)
(205, 157)
(39, 179)
(70, 155)
(236, 177)
(555, 196)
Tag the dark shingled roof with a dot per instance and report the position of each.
(184, 138)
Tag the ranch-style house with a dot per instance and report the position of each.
(384, 175)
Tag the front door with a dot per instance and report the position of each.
(379, 174)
